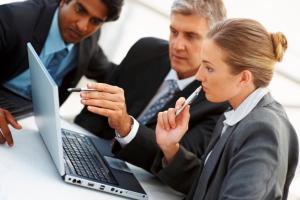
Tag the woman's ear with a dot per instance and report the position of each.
(246, 78)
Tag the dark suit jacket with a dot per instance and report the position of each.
(255, 159)
(30, 21)
(140, 75)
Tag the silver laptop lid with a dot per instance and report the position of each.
(46, 108)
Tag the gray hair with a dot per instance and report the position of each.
(213, 10)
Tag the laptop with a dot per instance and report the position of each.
(80, 160)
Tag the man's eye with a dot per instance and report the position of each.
(174, 32)
(79, 9)
(96, 22)
(190, 36)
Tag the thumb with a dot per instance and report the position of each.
(180, 102)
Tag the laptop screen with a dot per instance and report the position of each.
(46, 107)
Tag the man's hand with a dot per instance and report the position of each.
(108, 101)
(5, 119)
(170, 129)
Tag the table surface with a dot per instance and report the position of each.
(28, 172)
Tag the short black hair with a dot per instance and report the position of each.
(113, 6)
(114, 9)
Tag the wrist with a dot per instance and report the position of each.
(126, 128)
(170, 151)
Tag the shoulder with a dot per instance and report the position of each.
(149, 47)
(266, 123)
(146, 50)
(26, 12)
(18, 8)
(151, 43)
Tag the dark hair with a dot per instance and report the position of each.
(114, 9)
(113, 6)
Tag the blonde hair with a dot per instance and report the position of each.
(248, 46)
(213, 10)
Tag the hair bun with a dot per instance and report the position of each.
(280, 45)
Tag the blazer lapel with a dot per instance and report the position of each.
(156, 75)
(43, 26)
(215, 137)
(211, 164)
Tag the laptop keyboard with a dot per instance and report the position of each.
(15, 104)
(84, 157)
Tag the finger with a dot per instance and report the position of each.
(103, 87)
(116, 106)
(2, 139)
(160, 120)
(6, 132)
(171, 117)
(180, 102)
(117, 97)
(11, 120)
(186, 112)
(165, 120)
(101, 111)
(184, 117)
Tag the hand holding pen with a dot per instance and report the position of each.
(189, 100)
(172, 118)
(172, 125)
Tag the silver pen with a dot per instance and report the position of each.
(80, 90)
(189, 100)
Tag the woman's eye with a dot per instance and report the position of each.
(209, 69)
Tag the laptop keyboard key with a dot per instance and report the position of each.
(84, 158)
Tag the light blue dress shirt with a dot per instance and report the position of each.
(54, 43)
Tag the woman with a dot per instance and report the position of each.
(253, 151)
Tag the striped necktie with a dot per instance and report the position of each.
(160, 103)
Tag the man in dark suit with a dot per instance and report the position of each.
(52, 26)
(142, 77)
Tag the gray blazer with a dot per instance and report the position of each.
(255, 159)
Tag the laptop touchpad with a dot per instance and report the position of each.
(117, 164)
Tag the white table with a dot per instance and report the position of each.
(27, 172)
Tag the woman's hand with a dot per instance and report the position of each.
(171, 128)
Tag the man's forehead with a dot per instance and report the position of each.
(96, 8)
(189, 23)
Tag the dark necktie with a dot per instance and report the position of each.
(160, 103)
(56, 60)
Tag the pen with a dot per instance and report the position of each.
(80, 90)
(189, 100)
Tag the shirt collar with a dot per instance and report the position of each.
(234, 116)
(182, 83)
(54, 42)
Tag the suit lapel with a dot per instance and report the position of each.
(215, 137)
(211, 164)
(151, 76)
(42, 28)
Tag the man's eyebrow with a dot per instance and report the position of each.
(86, 11)
(193, 34)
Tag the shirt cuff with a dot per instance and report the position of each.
(131, 135)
